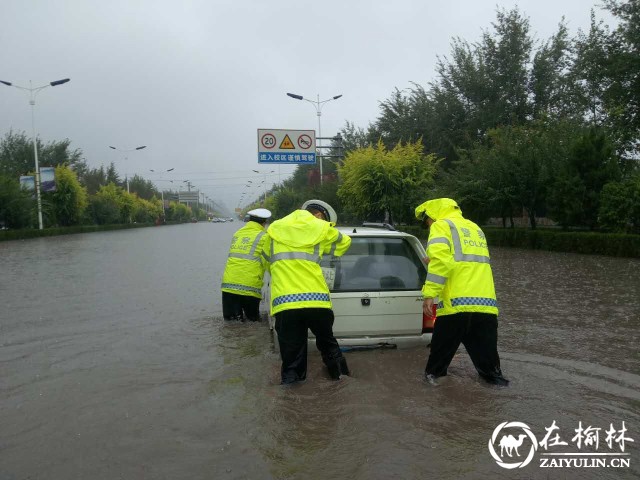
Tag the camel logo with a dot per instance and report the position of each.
(510, 445)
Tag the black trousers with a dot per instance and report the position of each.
(478, 332)
(292, 326)
(233, 307)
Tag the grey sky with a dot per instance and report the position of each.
(194, 80)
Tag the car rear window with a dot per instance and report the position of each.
(375, 264)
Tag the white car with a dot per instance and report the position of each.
(376, 289)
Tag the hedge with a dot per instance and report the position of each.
(48, 232)
(593, 243)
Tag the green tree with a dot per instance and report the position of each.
(103, 210)
(590, 164)
(506, 55)
(112, 175)
(16, 154)
(397, 122)
(354, 137)
(483, 183)
(620, 206)
(124, 201)
(590, 71)
(143, 188)
(549, 84)
(93, 179)
(285, 201)
(147, 211)
(387, 184)
(178, 212)
(70, 198)
(619, 75)
(107, 200)
(511, 170)
(484, 85)
(16, 204)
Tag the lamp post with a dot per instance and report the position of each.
(264, 203)
(33, 91)
(161, 190)
(318, 106)
(126, 177)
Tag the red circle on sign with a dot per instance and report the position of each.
(268, 140)
(304, 142)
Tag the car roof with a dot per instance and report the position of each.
(371, 231)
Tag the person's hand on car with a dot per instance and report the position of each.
(427, 307)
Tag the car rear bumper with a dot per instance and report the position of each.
(400, 341)
(384, 341)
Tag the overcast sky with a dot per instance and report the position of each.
(194, 80)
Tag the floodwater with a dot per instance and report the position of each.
(115, 364)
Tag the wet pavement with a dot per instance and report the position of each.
(115, 363)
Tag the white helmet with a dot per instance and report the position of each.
(326, 209)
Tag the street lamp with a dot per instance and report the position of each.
(265, 185)
(126, 177)
(33, 91)
(318, 106)
(161, 190)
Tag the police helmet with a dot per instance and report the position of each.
(324, 208)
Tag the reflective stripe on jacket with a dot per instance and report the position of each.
(297, 243)
(459, 263)
(246, 264)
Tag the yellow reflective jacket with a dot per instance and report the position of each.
(297, 243)
(459, 267)
(246, 264)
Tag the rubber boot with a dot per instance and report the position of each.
(334, 370)
(344, 368)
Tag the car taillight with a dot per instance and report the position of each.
(429, 320)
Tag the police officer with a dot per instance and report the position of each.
(244, 271)
(460, 275)
(299, 294)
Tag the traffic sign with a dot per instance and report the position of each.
(286, 146)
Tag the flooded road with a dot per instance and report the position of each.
(115, 363)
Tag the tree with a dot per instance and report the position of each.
(512, 170)
(178, 212)
(16, 154)
(549, 84)
(624, 94)
(620, 206)
(111, 195)
(286, 201)
(143, 188)
(386, 184)
(483, 183)
(112, 175)
(485, 85)
(396, 122)
(353, 137)
(586, 161)
(70, 198)
(93, 179)
(590, 71)
(16, 205)
(103, 210)
(147, 211)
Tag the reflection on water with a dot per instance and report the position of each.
(115, 363)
